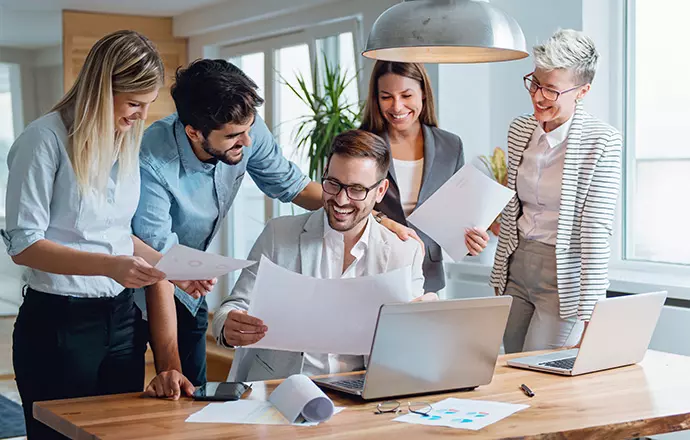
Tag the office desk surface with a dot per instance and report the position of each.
(648, 398)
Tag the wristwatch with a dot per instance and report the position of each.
(380, 216)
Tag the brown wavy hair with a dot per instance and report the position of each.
(372, 119)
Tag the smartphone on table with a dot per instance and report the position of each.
(221, 391)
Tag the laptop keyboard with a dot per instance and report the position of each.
(350, 384)
(566, 364)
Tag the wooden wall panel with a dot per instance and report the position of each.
(80, 30)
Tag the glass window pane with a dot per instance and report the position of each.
(290, 62)
(657, 117)
(6, 129)
(658, 212)
(661, 110)
(348, 66)
(249, 208)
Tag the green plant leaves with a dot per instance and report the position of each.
(329, 114)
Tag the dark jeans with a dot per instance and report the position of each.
(191, 341)
(66, 347)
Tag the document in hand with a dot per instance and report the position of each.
(185, 263)
(296, 401)
(468, 199)
(323, 315)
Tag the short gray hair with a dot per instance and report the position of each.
(568, 49)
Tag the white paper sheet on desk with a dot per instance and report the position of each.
(323, 315)
(463, 414)
(184, 263)
(468, 199)
(296, 401)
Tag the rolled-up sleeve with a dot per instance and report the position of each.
(276, 176)
(33, 162)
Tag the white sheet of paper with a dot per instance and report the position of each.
(323, 315)
(468, 199)
(185, 263)
(296, 401)
(249, 412)
(463, 413)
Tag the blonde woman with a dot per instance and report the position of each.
(565, 166)
(72, 191)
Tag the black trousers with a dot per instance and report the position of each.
(191, 341)
(66, 347)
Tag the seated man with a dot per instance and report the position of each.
(340, 240)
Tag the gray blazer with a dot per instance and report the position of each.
(443, 156)
(295, 243)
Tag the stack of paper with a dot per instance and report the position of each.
(296, 401)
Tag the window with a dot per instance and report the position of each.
(657, 143)
(270, 62)
(8, 114)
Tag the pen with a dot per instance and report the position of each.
(525, 389)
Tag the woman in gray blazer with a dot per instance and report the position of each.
(565, 165)
(400, 108)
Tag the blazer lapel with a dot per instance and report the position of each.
(378, 250)
(310, 243)
(571, 171)
(391, 168)
(429, 156)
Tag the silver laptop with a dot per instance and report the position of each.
(618, 334)
(431, 346)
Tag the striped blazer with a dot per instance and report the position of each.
(591, 181)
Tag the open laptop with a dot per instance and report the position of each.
(618, 334)
(431, 346)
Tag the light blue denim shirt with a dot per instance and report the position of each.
(184, 200)
(44, 202)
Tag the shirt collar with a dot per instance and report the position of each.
(190, 162)
(555, 137)
(360, 247)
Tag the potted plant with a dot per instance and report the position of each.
(329, 113)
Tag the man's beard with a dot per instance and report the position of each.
(220, 155)
(352, 219)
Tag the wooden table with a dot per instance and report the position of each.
(652, 397)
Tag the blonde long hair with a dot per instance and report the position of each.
(372, 119)
(121, 62)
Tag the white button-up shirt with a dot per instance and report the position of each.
(331, 266)
(539, 179)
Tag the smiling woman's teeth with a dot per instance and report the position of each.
(399, 116)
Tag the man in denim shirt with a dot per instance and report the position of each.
(192, 165)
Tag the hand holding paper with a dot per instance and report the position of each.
(185, 263)
(468, 199)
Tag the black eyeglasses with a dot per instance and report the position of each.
(549, 94)
(355, 192)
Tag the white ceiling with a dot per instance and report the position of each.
(162, 8)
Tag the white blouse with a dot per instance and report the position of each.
(408, 175)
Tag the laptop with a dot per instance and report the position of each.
(432, 346)
(618, 334)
